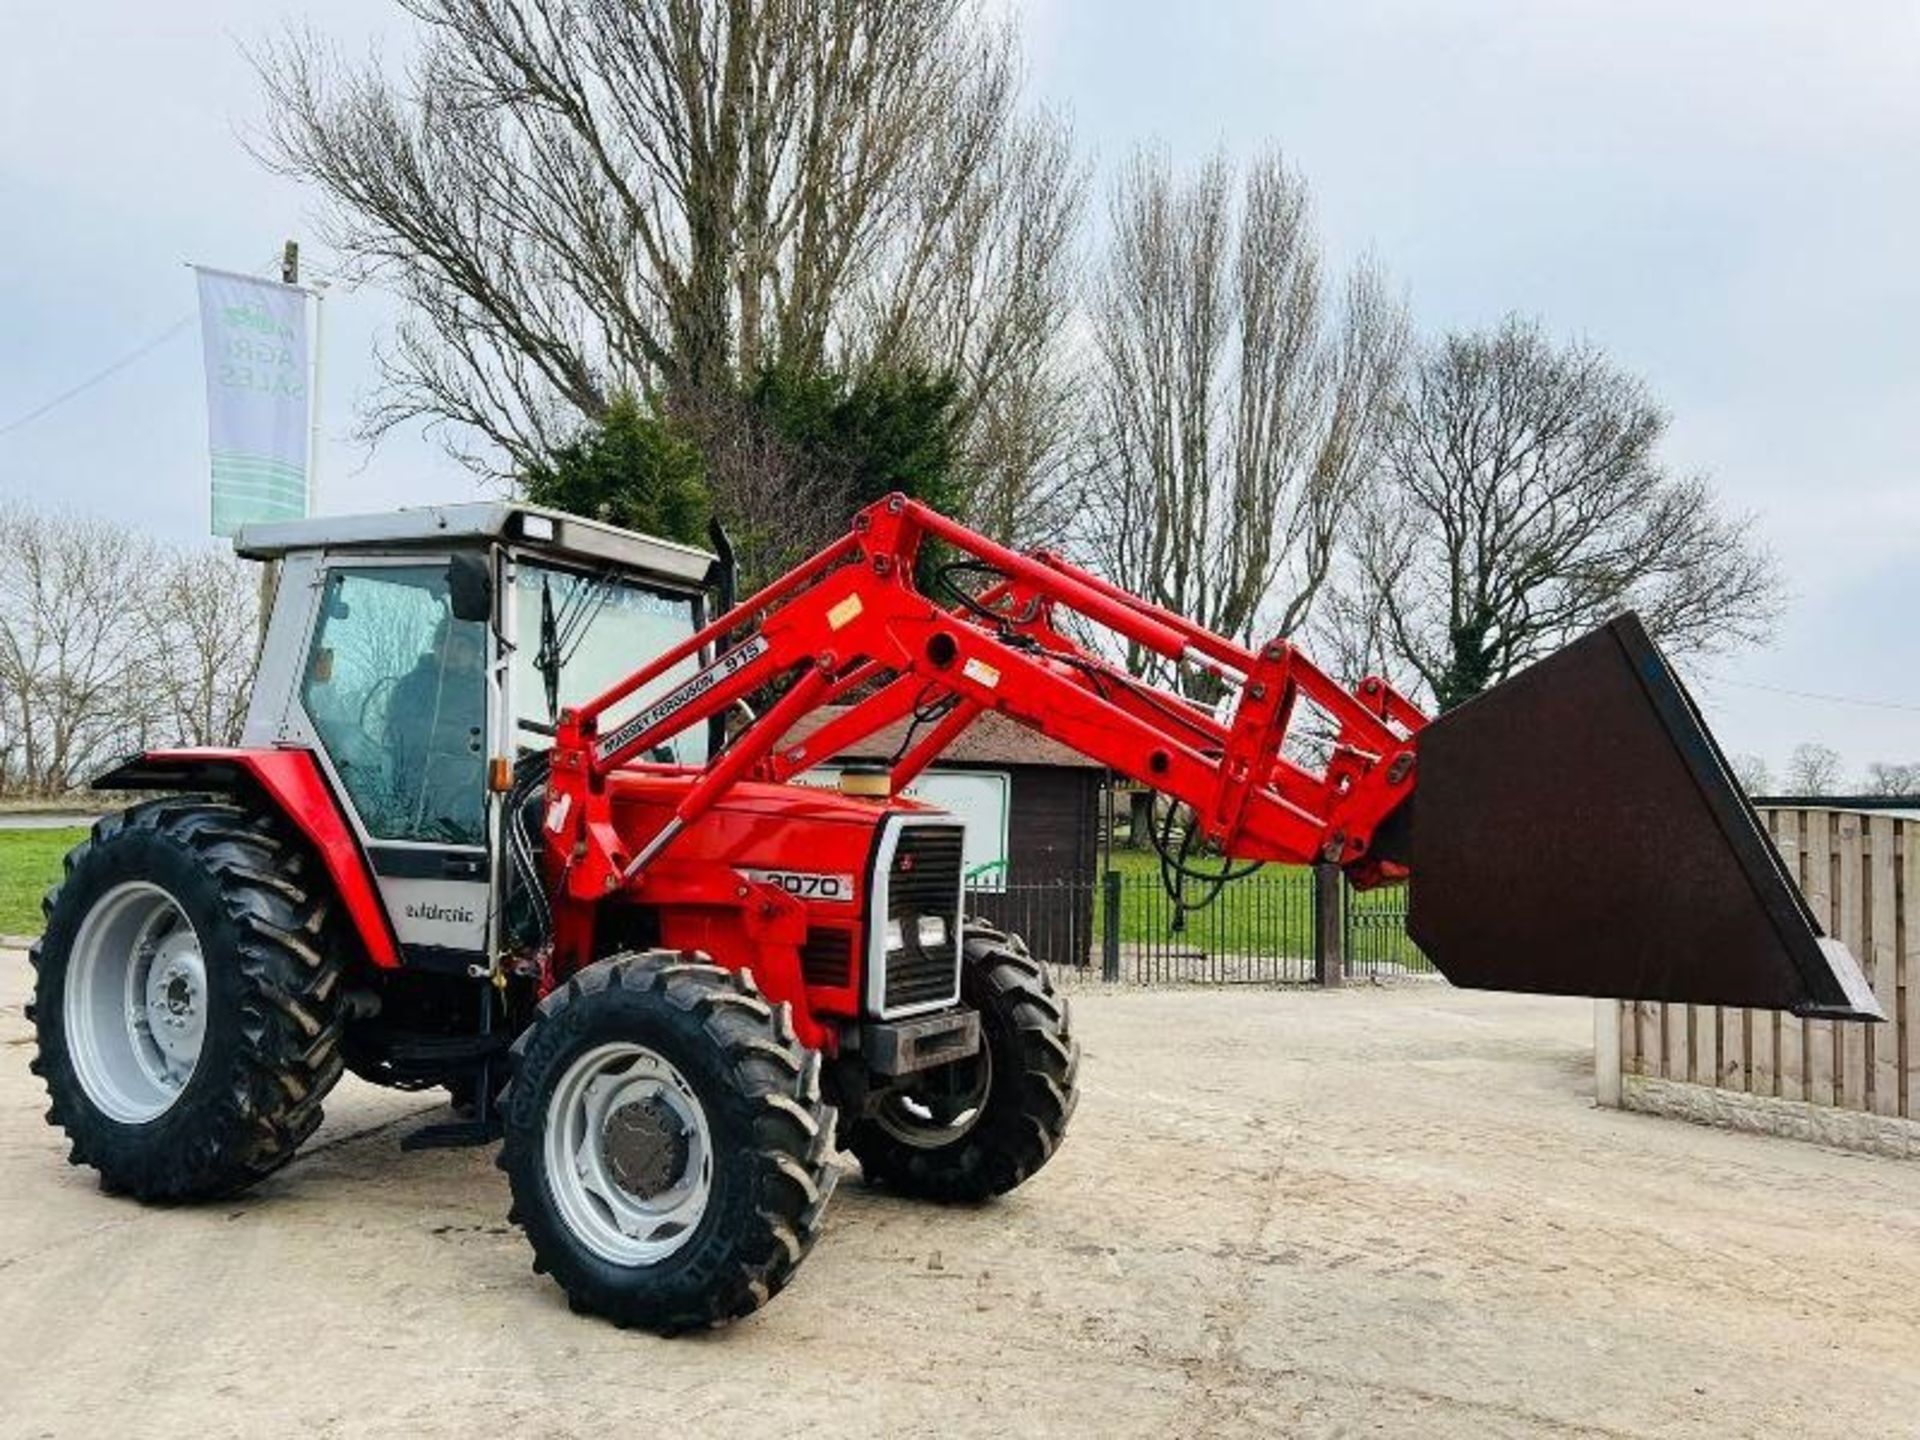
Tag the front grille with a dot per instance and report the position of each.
(923, 878)
(827, 957)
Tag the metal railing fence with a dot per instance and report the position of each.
(1269, 928)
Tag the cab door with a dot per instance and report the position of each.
(397, 693)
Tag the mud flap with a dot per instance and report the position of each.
(1576, 831)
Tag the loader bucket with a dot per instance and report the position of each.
(1576, 831)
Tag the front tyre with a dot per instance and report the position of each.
(978, 1127)
(186, 1001)
(666, 1144)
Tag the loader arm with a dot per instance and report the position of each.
(853, 624)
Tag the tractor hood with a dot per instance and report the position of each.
(791, 829)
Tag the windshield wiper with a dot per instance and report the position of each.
(561, 635)
(547, 658)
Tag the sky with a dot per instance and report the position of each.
(1723, 196)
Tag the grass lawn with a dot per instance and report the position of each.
(1268, 912)
(29, 863)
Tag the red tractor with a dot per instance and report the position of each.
(503, 814)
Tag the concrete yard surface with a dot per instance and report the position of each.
(1371, 1212)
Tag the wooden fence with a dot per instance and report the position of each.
(1860, 872)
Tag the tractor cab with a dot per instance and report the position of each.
(418, 653)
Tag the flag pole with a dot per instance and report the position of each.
(290, 275)
(313, 433)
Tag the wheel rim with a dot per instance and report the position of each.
(629, 1157)
(928, 1116)
(135, 1002)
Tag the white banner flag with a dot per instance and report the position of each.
(254, 334)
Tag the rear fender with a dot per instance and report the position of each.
(291, 782)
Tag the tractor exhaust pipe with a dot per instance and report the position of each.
(1576, 831)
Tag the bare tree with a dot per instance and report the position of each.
(1528, 504)
(579, 198)
(201, 613)
(1893, 779)
(1234, 408)
(981, 284)
(1752, 774)
(110, 643)
(773, 518)
(70, 643)
(1812, 769)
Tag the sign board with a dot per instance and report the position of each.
(253, 334)
(979, 798)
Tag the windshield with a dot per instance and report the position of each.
(603, 628)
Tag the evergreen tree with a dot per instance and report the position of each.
(634, 469)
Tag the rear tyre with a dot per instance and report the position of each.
(666, 1144)
(979, 1127)
(186, 1000)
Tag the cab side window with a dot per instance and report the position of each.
(396, 689)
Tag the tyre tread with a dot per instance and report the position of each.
(766, 1067)
(1015, 1138)
(288, 1042)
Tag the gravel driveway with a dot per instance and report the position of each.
(1383, 1212)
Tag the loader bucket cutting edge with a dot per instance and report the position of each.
(1576, 831)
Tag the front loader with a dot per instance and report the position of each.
(521, 812)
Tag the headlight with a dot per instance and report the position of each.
(933, 931)
(896, 940)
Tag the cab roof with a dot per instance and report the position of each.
(526, 527)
